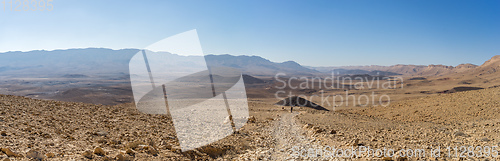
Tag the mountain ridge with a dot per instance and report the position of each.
(98, 61)
(109, 61)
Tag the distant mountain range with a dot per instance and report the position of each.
(101, 61)
(108, 62)
(90, 61)
(255, 65)
(408, 70)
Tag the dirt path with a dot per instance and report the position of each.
(289, 139)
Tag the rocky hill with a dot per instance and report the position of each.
(415, 70)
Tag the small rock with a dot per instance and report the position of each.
(121, 157)
(114, 142)
(307, 126)
(485, 139)
(88, 154)
(459, 133)
(135, 144)
(317, 130)
(355, 142)
(47, 136)
(252, 119)
(6, 159)
(99, 151)
(34, 155)
(50, 155)
(333, 132)
(212, 151)
(398, 158)
(9, 153)
(167, 146)
(176, 149)
(386, 158)
(102, 141)
(106, 158)
(101, 133)
(152, 151)
(130, 152)
(442, 129)
(3, 133)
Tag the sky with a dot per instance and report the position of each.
(312, 32)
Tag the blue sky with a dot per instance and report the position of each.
(314, 33)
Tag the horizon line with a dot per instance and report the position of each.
(308, 66)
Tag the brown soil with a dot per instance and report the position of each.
(68, 130)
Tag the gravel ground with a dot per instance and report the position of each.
(51, 130)
(288, 138)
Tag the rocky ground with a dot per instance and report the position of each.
(39, 129)
(443, 127)
(449, 120)
(287, 137)
(33, 129)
